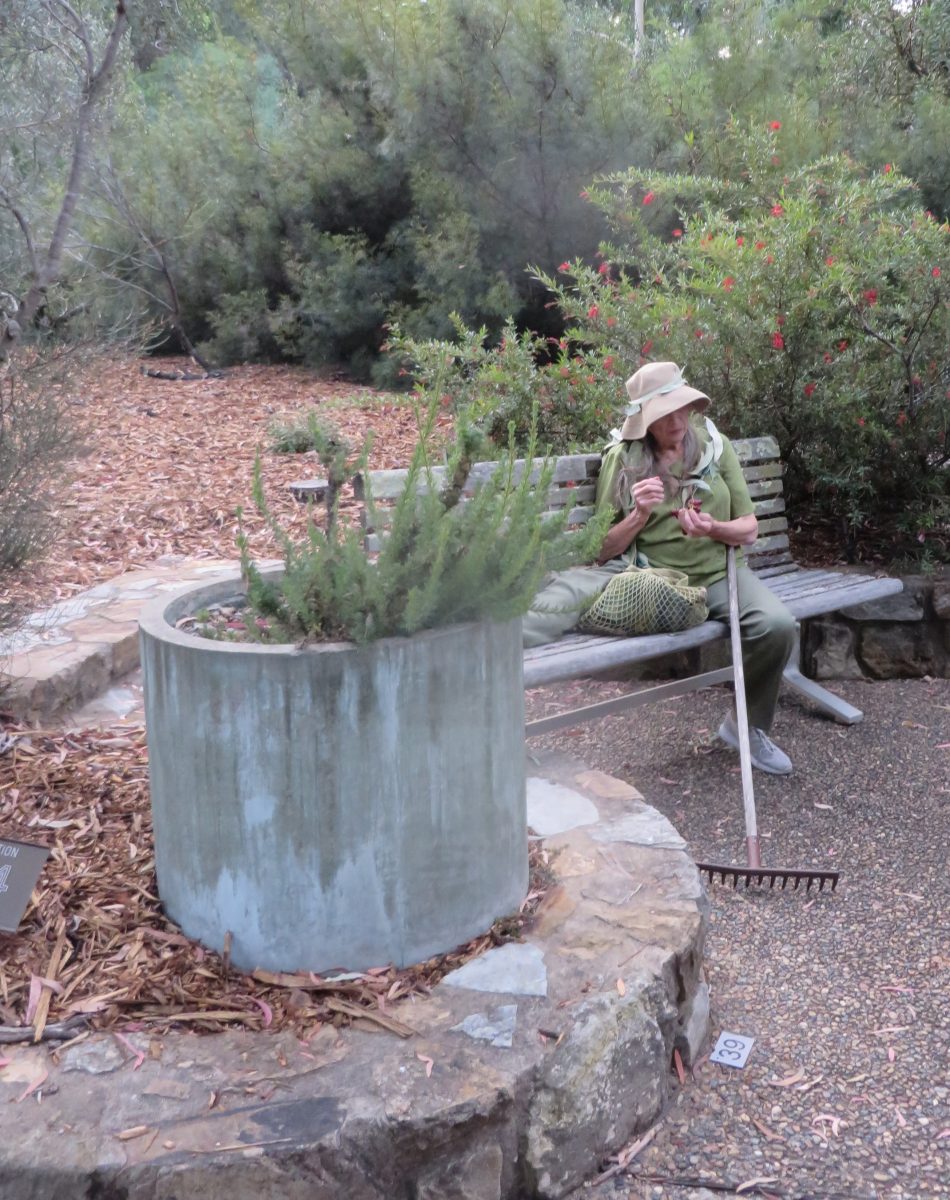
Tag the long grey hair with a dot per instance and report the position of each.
(646, 464)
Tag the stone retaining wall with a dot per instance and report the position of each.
(899, 637)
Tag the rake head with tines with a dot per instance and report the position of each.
(770, 876)
(754, 872)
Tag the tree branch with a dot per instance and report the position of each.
(46, 272)
(24, 224)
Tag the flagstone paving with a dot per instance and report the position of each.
(522, 1068)
(72, 653)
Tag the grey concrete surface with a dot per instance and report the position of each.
(334, 805)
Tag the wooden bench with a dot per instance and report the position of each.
(806, 592)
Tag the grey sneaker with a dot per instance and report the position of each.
(766, 756)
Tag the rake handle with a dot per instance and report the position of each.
(742, 714)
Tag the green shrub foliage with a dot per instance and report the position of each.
(449, 555)
(37, 440)
(813, 304)
(526, 387)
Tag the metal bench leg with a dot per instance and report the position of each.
(830, 704)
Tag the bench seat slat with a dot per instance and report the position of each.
(805, 582)
(842, 596)
(773, 570)
(573, 656)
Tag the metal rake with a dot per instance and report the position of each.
(754, 872)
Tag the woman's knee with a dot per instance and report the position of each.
(773, 625)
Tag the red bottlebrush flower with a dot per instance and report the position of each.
(861, 421)
(646, 347)
(827, 356)
(677, 233)
(829, 261)
(775, 160)
(810, 389)
(728, 283)
(565, 266)
(901, 420)
(740, 241)
(698, 334)
(565, 371)
(843, 345)
(935, 272)
(778, 342)
(649, 198)
(593, 311)
(888, 168)
(777, 210)
(603, 269)
(609, 363)
(769, 258)
(611, 321)
(775, 124)
(760, 245)
(871, 296)
(591, 379)
(585, 195)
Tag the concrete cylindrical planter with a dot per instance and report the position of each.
(334, 805)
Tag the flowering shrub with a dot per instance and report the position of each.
(570, 397)
(812, 305)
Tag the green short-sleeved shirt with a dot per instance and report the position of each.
(661, 540)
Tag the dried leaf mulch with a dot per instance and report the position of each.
(94, 949)
(166, 464)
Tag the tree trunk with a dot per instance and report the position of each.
(46, 267)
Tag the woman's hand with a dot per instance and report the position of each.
(742, 531)
(648, 493)
(695, 523)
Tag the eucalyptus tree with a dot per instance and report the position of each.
(59, 63)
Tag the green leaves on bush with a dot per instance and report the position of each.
(451, 553)
(527, 387)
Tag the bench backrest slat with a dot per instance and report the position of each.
(575, 482)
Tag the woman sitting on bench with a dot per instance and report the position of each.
(679, 498)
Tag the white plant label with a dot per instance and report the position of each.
(732, 1050)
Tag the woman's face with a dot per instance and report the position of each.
(668, 432)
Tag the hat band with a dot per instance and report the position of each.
(633, 409)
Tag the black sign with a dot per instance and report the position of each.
(20, 866)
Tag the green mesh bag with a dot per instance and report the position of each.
(646, 600)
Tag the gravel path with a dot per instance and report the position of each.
(847, 995)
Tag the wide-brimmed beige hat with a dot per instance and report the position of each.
(655, 391)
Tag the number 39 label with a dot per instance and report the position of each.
(732, 1050)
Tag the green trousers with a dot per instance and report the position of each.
(766, 627)
(767, 630)
(557, 608)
